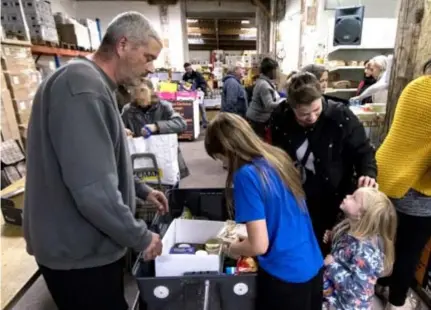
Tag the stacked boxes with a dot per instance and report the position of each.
(22, 79)
(72, 32)
(38, 16)
(93, 32)
(9, 124)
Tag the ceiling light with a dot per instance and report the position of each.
(192, 21)
(245, 22)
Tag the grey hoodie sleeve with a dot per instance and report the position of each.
(173, 122)
(267, 97)
(83, 141)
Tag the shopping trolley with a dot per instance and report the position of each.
(145, 210)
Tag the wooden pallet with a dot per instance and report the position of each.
(44, 43)
(68, 46)
(14, 36)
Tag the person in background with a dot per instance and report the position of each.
(123, 96)
(329, 145)
(79, 217)
(404, 161)
(269, 200)
(366, 82)
(286, 85)
(380, 69)
(234, 96)
(321, 73)
(362, 249)
(198, 83)
(147, 115)
(265, 97)
(249, 89)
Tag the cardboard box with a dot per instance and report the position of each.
(188, 231)
(23, 110)
(16, 59)
(9, 123)
(423, 268)
(15, 193)
(75, 33)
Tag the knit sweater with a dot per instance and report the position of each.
(404, 158)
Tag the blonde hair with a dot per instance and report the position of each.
(380, 61)
(378, 219)
(231, 136)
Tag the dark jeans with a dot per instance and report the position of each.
(87, 289)
(276, 294)
(413, 233)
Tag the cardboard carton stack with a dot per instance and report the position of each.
(72, 32)
(93, 32)
(22, 80)
(9, 123)
(38, 15)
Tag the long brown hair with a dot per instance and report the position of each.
(378, 219)
(231, 136)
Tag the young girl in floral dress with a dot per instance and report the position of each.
(362, 250)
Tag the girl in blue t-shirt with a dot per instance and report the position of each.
(269, 199)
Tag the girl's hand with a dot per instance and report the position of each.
(227, 250)
(329, 259)
(327, 237)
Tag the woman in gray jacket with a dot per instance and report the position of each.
(158, 116)
(265, 97)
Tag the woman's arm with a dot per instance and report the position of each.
(250, 209)
(172, 121)
(405, 155)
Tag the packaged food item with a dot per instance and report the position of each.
(230, 270)
(213, 246)
(246, 265)
(182, 248)
(187, 214)
(232, 232)
(201, 253)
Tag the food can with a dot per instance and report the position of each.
(231, 270)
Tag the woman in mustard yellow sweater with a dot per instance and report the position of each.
(404, 166)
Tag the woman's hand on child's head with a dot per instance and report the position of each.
(329, 259)
(365, 181)
(327, 237)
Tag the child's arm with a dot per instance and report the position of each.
(359, 275)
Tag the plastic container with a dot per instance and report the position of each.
(199, 291)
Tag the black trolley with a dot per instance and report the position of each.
(200, 291)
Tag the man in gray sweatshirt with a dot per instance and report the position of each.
(80, 190)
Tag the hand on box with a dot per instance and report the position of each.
(159, 199)
(227, 250)
(154, 249)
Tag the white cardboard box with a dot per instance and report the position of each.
(188, 231)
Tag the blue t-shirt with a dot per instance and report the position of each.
(293, 255)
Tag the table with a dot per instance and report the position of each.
(18, 269)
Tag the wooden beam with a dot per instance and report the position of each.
(412, 48)
(265, 9)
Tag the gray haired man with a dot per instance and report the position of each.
(234, 96)
(80, 190)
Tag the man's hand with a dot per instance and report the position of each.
(365, 181)
(154, 249)
(329, 259)
(153, 128)
(159, 199)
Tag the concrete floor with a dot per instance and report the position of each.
(205, 173)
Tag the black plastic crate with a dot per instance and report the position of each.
(197, 291)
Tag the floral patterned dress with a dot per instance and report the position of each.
(349, 281)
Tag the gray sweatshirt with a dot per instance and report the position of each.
(265, 99)
(80, 190)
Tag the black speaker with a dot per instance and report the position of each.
(348, 25)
